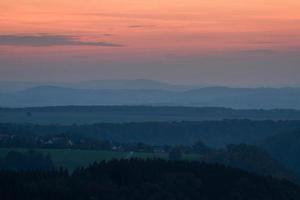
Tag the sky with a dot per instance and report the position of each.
(215, 42)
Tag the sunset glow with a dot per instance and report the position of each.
(122, 30)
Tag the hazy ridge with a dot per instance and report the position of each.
(145, 92)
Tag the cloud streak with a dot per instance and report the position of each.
(49, 40)
(137, 26)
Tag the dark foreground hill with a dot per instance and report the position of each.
(251, 159)
(285, 148)
(147, 180)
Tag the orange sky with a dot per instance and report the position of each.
(149, 28)
(160, 24)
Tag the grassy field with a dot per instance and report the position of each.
(71, 159)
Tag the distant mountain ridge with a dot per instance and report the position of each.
(137, 84)
(147, 92)
(15, 86)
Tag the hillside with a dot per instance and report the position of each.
(151, 179)
(212, 133)
(286, 149)
(116, 114)
(249, 158)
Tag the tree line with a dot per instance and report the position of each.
(213, 133)
(145, 179)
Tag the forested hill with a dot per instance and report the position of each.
(147, 180)
(285, 148)
(213, 133)
(98, 114)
